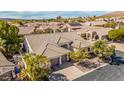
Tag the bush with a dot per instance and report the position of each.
(103, 50)
(79, 55)
(115, 35)
(110, 24)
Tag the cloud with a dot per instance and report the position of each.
(47, 14)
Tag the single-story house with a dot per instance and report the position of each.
(100, 31)
(51, 25)
(32, 24)
(55, 46)
(6, 68)
(24, 30)
(73, 26)
(95, 23)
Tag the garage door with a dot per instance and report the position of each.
(54, 61)
(64, 58)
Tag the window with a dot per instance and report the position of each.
(88, 49)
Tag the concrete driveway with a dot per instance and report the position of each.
(70, 71)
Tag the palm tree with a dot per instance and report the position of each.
(37, 67)
(2, 44)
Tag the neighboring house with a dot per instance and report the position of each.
(55, 46)
(6, 68)
(32, 24)
(100, 19)
(95, 23)
(112, 19)
(120, 21)
(51, 25)
(100, 31)
(24, 30)
(73, 26)
(29, 28)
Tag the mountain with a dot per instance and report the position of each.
(47, 14)
(114, 14)
(7, 19)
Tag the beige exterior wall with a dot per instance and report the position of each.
(27, 46)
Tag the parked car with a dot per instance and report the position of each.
(57, 77)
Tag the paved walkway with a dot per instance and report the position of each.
(71, 72)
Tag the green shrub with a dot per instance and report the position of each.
(110, 24)
(115, 35)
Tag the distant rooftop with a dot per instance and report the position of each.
(75, 24)
(26, 30)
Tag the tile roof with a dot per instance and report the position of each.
(4, 61)
(75, 24)
(81, 44)
(100, 30)
(25, 30)
(95, 22)
(38, 41)
(53, 51)
(5, 65)
(48, 44)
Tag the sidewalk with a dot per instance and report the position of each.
(119, 46)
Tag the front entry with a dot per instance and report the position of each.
(59, 61)
(54, 61)
(64, 58)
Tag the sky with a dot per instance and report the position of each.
(48, 14)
